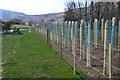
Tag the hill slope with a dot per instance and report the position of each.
(7, 15)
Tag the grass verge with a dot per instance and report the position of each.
(28, 56)
(20, 26)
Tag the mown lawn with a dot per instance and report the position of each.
(20, 26)
(28, 56)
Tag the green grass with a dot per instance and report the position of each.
(28, 56)
(20, 26)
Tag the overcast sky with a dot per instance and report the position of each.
(37, 6)
(34, 6)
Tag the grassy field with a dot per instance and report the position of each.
(28, 56)
(20, 26)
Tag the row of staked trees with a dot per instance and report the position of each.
(76, 11)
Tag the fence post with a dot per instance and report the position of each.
(62, 40)
(53, 36)
(105, 49)
(36, 29)
(73, 47)
(119, 47)
(53, 31)
(50, 31)
(43, 29)
(40, 28)
(67, 34)
(81, 40)
(70, 36)
(72, 29)
(39, 31)
(74, 51)
(57, 32)
(47, 37)
(110, 60)
(95, 33)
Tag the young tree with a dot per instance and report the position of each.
(7, 25)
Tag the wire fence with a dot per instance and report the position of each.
(92, 47)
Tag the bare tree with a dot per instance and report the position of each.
(70, 11)
(77, 10)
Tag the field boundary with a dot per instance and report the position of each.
(81, 44)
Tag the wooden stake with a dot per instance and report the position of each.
(105, 49)
(72, 23)
(74, 66)
(119, 47)
(54, 34)
(95, 33)
(53, 29)
(57, 32)
(119, 37)
(81, 41)
(39, 30)
(51, 32)
(47, 36)
(36, 29)
(63, 34)
(62, 40)
(110, 60)
(66, 34)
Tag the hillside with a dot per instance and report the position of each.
(7, 15)
(10, 15)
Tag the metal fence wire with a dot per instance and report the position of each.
(93, 48)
